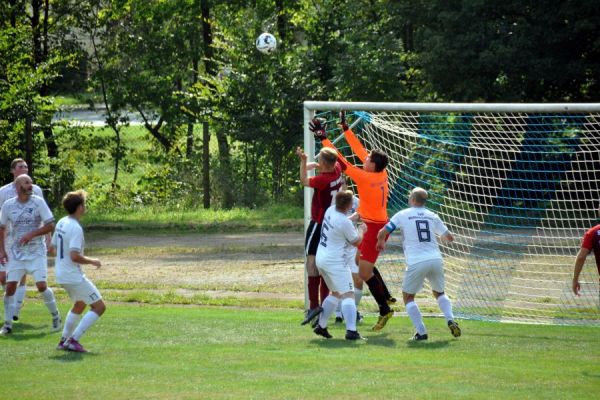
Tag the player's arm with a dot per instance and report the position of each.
(3, 258)
(303, 166)
(448, 237)
(579, 262)
(79, 258)
(46, 228)
(352, 140)
(361, 232)
(383, 234)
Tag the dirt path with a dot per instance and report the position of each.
(260, 265)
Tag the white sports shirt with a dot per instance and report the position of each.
(337, 232)
(68, 237)
(20, 219)
(10, 190)
(350, 253)
(419, 227)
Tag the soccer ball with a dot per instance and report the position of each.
(266, 43)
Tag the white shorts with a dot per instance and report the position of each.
(37, 268)
(337, 277)
(84, 291)
(350, 257)
(415, 275)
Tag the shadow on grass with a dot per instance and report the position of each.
(338, 341)
(426, 344)
(23, 331)
(70, 356)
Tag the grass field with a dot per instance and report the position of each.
(174, 352)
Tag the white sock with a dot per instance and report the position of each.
(50, 302)
(412, 309)
(20, 296)
(357, 296)
(87, 321)
(338, 310)
(446, 307)
(70, 323)
(349, 312)
(329, 305)
(9, 309)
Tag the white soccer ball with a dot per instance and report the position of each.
(266, 43)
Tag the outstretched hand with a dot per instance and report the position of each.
(318, 127)
(300, 153)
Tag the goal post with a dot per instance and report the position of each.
(517, 184)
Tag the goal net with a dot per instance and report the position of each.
(518, 185)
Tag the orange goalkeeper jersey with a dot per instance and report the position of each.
(372, 187)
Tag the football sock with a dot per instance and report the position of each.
(357, 296)
(349, 312)
(386, 292)
(313, 291)
(378, 294)
(19, 297)
(9, 309)
(329, 305)
(338, 310)
(446, 307)
(412, 309)
(87, 321)
(70, 323)
(50, 302)
(324, 290)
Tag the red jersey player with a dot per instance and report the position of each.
(591, 241)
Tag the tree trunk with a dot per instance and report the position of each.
(210, 68)
(206, 164)
(29, 145)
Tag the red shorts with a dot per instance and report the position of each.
(368, 246)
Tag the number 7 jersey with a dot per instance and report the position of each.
(420, 228)
(68, 237)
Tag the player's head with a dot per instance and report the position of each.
(72, 201)
(376, 161)
(327, 159)
(418, 197)
(343, 200)
(24, 185)
(18, 166)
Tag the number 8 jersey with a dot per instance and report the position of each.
(420, 228)
(68, 237)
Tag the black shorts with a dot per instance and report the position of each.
(313, 236)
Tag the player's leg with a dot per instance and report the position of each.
(388, 296)
(39, 271)
(92, 297)
(411, 285)
(72, 318)
(311, 244)
(329, 305)
(14, 275)
(437, 282)
(20, 297)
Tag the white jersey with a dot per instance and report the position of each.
(21, 218)
(337, 232)
(10, 190)
(350, 253)
(419, 227)
(68, 237)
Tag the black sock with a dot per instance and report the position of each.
(376, 289)
(386, 292)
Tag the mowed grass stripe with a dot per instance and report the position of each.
(141, 351)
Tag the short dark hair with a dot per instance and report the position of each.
(72, 200)
(380, 158)
(343, 199)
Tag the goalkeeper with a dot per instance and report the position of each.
(372, 185)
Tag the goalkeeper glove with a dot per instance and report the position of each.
(318, 126)
(343, 123)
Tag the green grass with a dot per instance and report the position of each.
(279, 217)
(160, 352)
